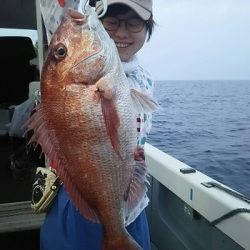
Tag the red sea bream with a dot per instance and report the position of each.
(86, 123)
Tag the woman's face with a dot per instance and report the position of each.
(128, 43)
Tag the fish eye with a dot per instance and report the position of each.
(60, 51)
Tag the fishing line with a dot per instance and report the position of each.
(84, 8)
(105, 7)
(92, 3)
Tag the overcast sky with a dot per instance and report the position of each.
(199, 40)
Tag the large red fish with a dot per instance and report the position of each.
(86, 122)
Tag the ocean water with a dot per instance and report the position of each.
(206, 124)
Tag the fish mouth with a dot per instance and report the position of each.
(77, 17)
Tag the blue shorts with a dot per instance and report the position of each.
(65, 229)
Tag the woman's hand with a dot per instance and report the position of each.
(139, 154)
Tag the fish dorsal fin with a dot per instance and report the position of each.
(41, 137)
(40, 134)
(112, 122)
(87, 211)
(143, 103)
(137, 188)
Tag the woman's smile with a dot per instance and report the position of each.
(122, 44)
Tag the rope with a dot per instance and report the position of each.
(233, 193)
(229, 215)
(227, 190)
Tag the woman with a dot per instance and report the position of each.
(128, 23)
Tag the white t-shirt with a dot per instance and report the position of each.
(140, 80)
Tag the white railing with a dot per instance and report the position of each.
(212, 203)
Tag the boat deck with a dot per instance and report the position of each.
(19, 226)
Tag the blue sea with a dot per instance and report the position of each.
(206, 124)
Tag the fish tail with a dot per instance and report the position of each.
(123, 243)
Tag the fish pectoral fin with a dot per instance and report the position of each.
(137, 188)
(112, 122)
(143, 103)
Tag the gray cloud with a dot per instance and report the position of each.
(207, 40)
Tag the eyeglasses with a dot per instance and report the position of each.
(133, 25)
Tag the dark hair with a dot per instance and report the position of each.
(120, 9)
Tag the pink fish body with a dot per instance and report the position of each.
(86, 123)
